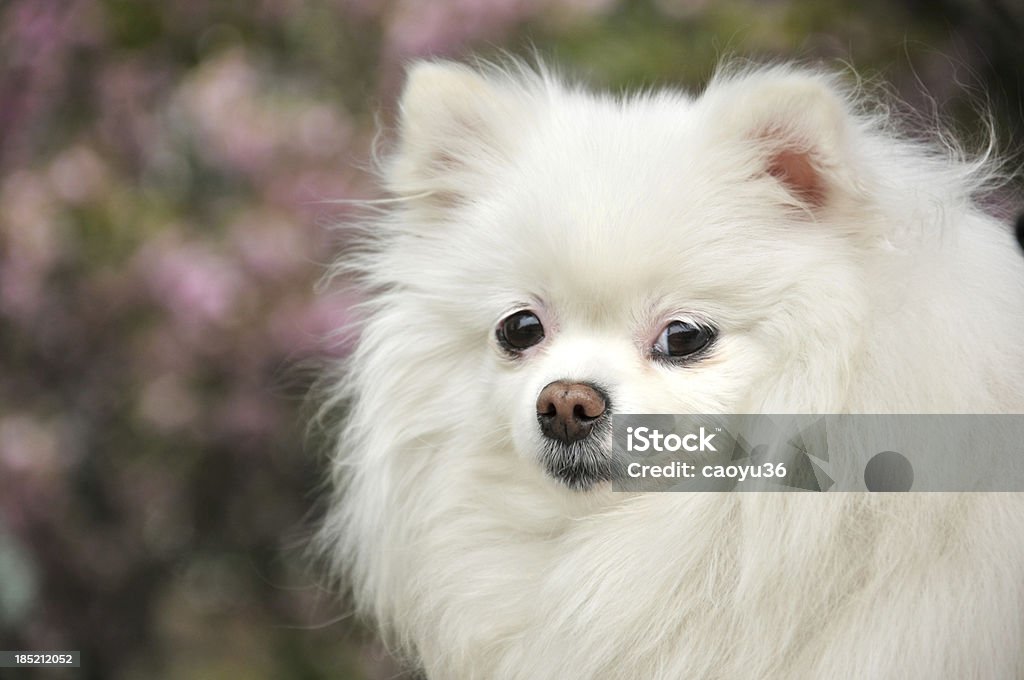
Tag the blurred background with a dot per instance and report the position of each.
(165, 176)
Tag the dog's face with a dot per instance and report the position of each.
(583, 256)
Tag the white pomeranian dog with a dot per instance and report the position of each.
(553, 256)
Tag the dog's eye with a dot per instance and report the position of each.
(520, 331)
(682, 339)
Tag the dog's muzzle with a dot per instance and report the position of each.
(574, 418)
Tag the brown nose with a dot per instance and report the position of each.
(567, 411)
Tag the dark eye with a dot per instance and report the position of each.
(520, 331)
(682, 339)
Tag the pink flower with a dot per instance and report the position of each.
(244, 123)
(196, 285)
(248, 413)
(269, 246)
(323, 325)
(78, 175)
(27, 445)
(167, 403)
(30, 243)
(442, 27)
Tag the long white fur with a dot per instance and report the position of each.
(610, 215)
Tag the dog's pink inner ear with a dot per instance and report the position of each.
(797, 172)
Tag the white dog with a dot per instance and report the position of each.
(773, 245)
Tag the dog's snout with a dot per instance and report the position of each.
(567, 411)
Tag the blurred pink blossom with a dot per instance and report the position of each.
(130, 120)
(270, 246)
(324, 325)
(322, 132)
(197, 285)
(442, 27)
(27, 446)
(307, 192)
(248, 412)
(21, 290)
(30, 243)
(167, 403)
(159, 350)
(38, 37)
(78, 175)
(246, 124)
(28, 212)
(416, 29)
(220, 100)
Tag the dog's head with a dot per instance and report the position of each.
(574, 256)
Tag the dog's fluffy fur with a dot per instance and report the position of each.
(847, 268)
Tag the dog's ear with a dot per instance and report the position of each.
(796, 126)
(452, 123)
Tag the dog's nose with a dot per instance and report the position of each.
(567, 411)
